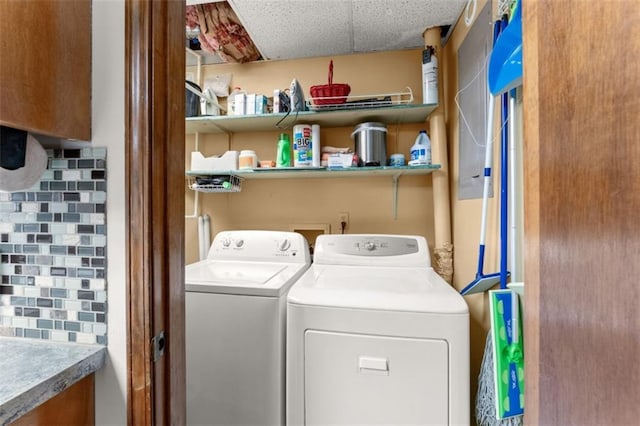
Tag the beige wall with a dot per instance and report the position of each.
(108, 130)
(277, 204)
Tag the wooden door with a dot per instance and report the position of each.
(582, 197)
(155, 64)
(45, 67)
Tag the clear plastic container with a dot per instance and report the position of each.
(247, 160)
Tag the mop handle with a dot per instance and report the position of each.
(488, 162)
(504, 182)
(513, 219)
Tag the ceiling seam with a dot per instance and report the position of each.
(351, 28)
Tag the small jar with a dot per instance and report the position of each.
(247, 160)
(396, 160)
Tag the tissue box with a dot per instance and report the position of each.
(227, 161)
(340, 160)
(261, 104)
(276, 101)
(250, 108)
(239, 104)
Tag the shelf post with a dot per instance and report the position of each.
(396, 177)
(443, 251)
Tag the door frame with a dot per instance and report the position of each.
(154, 135)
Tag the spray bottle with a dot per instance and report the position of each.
(429, 76)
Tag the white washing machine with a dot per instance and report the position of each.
(235, 327)
(376, 337)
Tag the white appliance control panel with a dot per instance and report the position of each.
(266, 246)
(372, 245)
(375, 249)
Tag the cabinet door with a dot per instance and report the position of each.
(45, 77)
(582, 197)
(75, 406)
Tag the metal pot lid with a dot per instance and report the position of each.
(371, 125)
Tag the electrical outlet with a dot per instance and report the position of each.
(343, 217)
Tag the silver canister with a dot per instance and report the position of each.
(371, 144)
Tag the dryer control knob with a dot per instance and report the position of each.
(239, 243)
(226, 242)
(370, 246)
(284, 245)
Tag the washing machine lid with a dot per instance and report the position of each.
(377, 288)
(245, 278)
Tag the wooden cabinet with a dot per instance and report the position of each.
(582, 197)
(45, 77)
(73, 406)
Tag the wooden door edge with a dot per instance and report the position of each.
(154, 121)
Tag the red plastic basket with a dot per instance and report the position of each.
(331, 93)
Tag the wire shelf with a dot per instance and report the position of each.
(360, 101)
(218, 183)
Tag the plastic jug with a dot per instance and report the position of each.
(420, 153)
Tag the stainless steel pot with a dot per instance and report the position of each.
(371, 144)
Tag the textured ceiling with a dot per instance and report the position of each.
(289, 29)
(285, 29)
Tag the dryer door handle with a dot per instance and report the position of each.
(373, 365)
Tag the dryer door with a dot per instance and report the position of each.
(362, 379)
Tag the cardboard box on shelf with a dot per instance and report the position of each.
(340, 160)
(276, 101)
(250, 108)
(262, 104)
(239, 104)
(227, 161)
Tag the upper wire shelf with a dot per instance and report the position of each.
(336, 103)
(399, 109)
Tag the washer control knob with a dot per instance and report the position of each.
(239, 243)
(370, 246)
(284, 245)
(226, 242)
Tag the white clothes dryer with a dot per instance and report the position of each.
(376, 337)
(235, 327)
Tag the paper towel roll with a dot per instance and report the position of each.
(35, 164)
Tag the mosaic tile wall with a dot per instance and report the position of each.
(52, 252)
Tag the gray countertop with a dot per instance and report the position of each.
(33, 371)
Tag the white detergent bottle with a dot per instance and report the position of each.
(429, 76)
(420, 153)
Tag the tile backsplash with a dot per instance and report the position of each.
(52, 252)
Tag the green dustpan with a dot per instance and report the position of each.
(505, 63)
